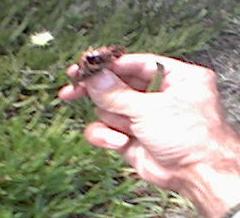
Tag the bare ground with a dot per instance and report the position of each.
(223, 56)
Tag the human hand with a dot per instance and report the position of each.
(161, 134)
(158, 131)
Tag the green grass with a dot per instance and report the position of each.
(47, 169)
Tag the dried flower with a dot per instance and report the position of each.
(42, 38)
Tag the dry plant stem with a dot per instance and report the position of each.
(155, 84)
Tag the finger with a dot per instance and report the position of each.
(135, 83)
(143, 66)
(72, 71)
(115, 121)
(112, 94)
(71, 92)
(147, 167)
(102, 136)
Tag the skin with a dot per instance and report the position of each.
(176, 138)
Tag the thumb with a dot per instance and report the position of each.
(110, 93)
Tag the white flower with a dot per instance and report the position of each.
(42, 38)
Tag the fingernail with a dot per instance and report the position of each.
(112, 139)
(72, 70)
(116, 140)
(104, 81)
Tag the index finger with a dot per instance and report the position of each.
(142, 66)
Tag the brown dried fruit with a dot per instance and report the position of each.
(94, 60)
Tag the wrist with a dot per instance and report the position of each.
(213, 184)
(213, 193)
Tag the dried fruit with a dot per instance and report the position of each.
(94, 60)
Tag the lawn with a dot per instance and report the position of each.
(47, 169)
